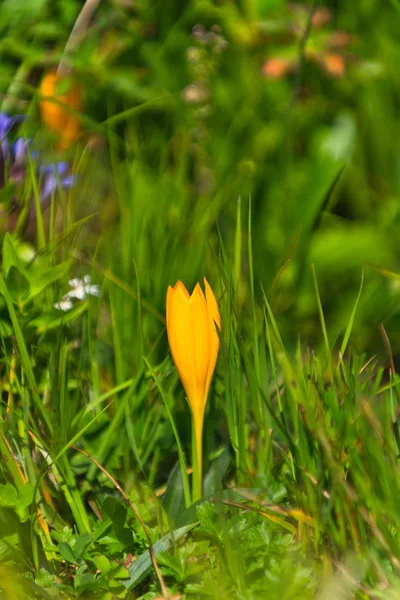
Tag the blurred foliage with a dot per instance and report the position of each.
(291, 105)
(247, 141)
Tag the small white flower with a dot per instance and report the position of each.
(77, 292)
(80, 290)
(65, 304)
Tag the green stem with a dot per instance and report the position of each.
(197, 455)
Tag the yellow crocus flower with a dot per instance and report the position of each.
(194, 344)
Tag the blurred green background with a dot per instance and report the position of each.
(292, 106)
(242, 141)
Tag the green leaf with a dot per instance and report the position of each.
(174, 497)
(102, 564)
(181, 455)
(39, 281)
(216, 473)
(351, 321)
(18, 284)
(232, 495)
(81, 543)
(119, 572)
(142, 566)
(7, 192)
(8, 495)
(44, 578)
(25, 496)
(84, 582)
(5, 329)
(25, 358)
(67, 553)
(10, 256)
(115, 510)
(54, 319)
(20, 11)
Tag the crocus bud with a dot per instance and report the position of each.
(194, 343)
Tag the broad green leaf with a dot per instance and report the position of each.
(67, 553)
(102, 564)
(10, 256)
(7, 192)
(25, 496)
(54, 319)
(8, 495)
(216, 473)
(81, 543)
(40, 280)
(84, 582)
(142, 566)
(174, 497)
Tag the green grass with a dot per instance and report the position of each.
(285, 194)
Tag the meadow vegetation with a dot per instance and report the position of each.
(251, 142)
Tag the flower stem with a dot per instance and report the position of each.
(197, 455)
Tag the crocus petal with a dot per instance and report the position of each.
(215, 319)
(193, 340)
(179, 324)
(200, 331)
(182, 337)
(170, 298)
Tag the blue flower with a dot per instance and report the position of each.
(20, 154)
(56, 175)
(6, 122)
(20, 149)
(52, 177)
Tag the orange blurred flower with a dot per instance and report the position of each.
(339, 39)
(276, 68)
(64, 97)
(334, 64)
(321, 17)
